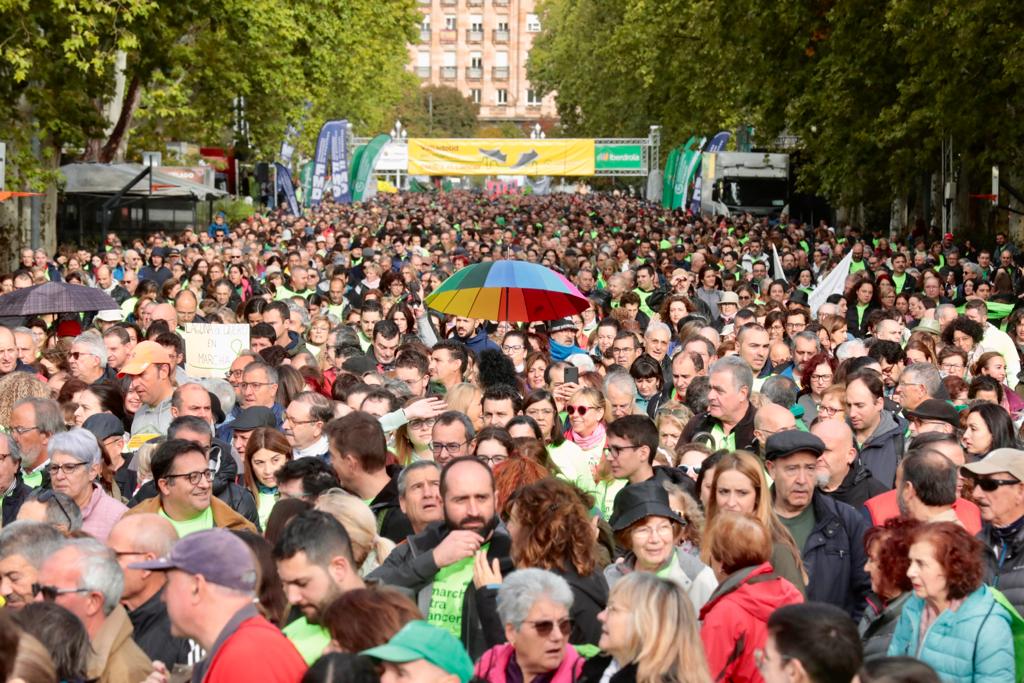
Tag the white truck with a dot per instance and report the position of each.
(744, 182)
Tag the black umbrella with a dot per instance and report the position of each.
(55, 297)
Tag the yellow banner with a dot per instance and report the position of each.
(498, 156)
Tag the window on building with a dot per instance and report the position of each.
(476, 23)
(533, 23)
(475, 94)
(502, 96)
(449, 59)
(425, 24)
(501, 59)
(476, 60)
(533, 97)
(449, 22)
(423, 58)
(502, 26)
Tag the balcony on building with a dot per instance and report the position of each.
(473, 36)
(424, 3)
(449, 3)
(499, 35)
(500, 3)
(499, 73)
(474, 3)
(449, 73)
(423, 71)
(448, 36)
(474, 73)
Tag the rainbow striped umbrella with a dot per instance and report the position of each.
(517, 291)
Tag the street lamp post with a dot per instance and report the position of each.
(399, 134)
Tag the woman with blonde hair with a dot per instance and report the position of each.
(466, 398)
(589, 413)
(15, 386)
(412, 440)
(369, 550)
(650, 635)
(740, 485)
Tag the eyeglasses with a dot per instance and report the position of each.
(299, 422)
(253, 385)
(193, 477)
(492, 460)
(821, 378)
(50, 593)
(581, 410)
(546, 626)
(951, 367)
(512, 348)
(616, 451)
(990, 485)
(422, 424)
(21, 431)
(664, 531)
(686, 469)
(828, 412)
(46, 495)
(451, 447)
(75, 355)
(67, 469)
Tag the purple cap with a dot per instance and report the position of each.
(217, 555)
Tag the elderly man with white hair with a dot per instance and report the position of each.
(84, 577)
(75, 462)
(88, 359)
(621, 391)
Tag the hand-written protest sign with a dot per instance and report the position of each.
(210, 349)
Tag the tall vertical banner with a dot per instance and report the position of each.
(669, 180)
(331, 147)
(716, 144)
(688, 161)
(293, 133)
(284, 184)
(363, 186)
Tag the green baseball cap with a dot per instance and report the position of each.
(420, 640)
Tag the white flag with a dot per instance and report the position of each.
(832, 283)
(778, 273)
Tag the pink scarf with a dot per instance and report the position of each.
(588, 442)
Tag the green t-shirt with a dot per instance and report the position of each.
(899, 281)
(861, 308)
(800, 526)
(446, 597)
(857, 266)
(723, 440)
(33, 479)
(265, 503)
(309, 639)
(202, 522)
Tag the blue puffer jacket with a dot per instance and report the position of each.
(974, 643)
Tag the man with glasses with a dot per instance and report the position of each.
(84, 578)
(891, 359)
(358, 452)
(918, 384)
(88, 359)
(13, 490)
(184, 481)
(33, 421)
(143, 538)
(304, 422)
(413, 368)
(152, 377)
(997, 485)
(452, 437)
(829, 534)
(625, 349)
(24, 547)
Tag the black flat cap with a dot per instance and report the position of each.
(784, 444)
(637, 501)
(936, 409)
(253, 417)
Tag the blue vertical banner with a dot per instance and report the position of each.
(716, 144)
(331, 147)
(284, 184)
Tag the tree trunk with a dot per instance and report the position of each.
(117, 143)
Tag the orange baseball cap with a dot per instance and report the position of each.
(145, 354)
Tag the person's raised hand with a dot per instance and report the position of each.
(457, 545)
(484, 573)
(426, 408)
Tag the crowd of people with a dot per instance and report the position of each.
(710, 473)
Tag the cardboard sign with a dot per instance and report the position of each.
(210, 349)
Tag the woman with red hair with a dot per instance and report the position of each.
(818, 375)
(953, 622)
(887, 549)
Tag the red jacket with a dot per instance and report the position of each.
(256, 651)
(736, 621)
(884, 507)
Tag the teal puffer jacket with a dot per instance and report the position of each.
(974, 643)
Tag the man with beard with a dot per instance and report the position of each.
(437, 564)
(314, 560)
(829, 534)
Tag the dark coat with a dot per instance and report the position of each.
(879, 623)
(1005, 564)
(744, 430)
(479, 342)
(595, 667)
(152, 632)
(883, 450)
(858, 328)
(834, 556)
(391, 521)
(858, 486)
(13, 500)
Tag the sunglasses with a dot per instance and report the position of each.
(582, 410)
(544, 628)
(990, 485)
(51, 593)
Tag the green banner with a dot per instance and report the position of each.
(618, 158)
(670, 178)
(306, 180)
(363, 175)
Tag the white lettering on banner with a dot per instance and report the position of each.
(210, 349)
